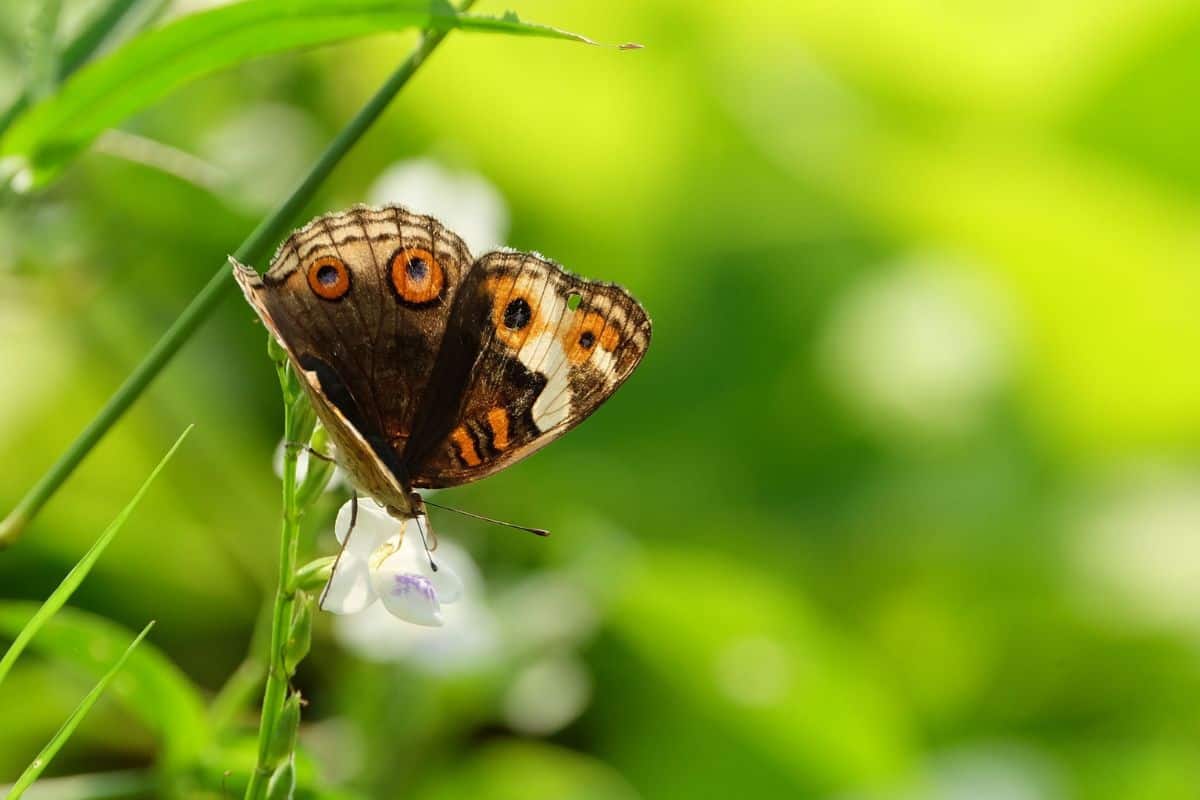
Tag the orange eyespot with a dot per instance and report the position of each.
(587, 332)
(417, 276)
(328, 278)
(513, 316)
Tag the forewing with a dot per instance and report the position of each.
(360, 299)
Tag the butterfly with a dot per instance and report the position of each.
(430, 368)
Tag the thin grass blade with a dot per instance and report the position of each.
(38, 765)
(152, 689)
(60, 595)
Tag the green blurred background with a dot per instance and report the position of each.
(904, 501)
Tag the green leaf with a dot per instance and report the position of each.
(152, 688)
(153, 64)
(35, 769)
(59, 596)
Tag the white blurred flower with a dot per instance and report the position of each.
(337, 481)
(385, 560)
(981, 771)
(464, 201)
(548, 609)
(920, 348)
(262, 151)
(1138, 548)
(547, 695)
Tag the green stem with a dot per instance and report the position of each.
(252, 249)
(285, 603)
(94, 34)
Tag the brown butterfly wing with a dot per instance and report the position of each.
(360, 300)
(531, 352)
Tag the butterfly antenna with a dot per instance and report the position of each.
(534, 531)
(425, 541)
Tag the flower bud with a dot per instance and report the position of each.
(300, 636)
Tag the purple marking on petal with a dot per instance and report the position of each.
(407, 582)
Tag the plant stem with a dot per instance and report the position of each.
(252, 249)
(285, 602)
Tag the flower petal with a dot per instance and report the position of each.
(413, 558)
(449, 586)
(372, 527)
(349, 590)
(406, 595)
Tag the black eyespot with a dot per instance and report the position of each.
(327, 275)
(587, 340)
(517, 314)
(416, 268)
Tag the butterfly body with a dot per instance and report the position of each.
(430, 368)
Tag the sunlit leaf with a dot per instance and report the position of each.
(151, 65)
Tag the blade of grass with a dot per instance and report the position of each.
(252, 249)
(148, 67)
(60, 595)
(92, 36)
(38, 765)
(153, 690)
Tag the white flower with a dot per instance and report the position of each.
(470, 639)
(385, 560)
(464, 201)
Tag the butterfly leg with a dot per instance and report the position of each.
(311, 452)
(345, 544)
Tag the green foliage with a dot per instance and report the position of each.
(70, 583)
(39, 764)
(152, 688)
(901, 503)
(40, 144)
